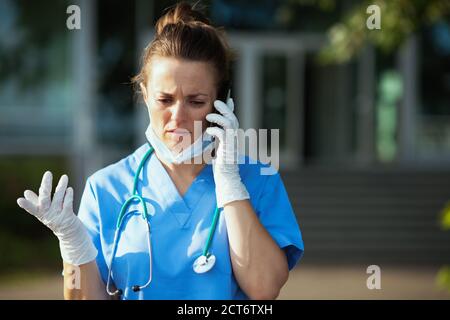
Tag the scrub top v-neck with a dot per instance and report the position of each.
(179, 228)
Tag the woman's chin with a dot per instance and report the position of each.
(177, 146)
(173, 140)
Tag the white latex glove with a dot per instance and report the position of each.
(57, 214)
(229, 186)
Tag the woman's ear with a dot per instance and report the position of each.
(144, 92)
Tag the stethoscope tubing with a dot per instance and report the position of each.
(121, 219)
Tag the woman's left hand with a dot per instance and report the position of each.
(229, 186)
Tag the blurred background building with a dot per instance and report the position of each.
(364, 115)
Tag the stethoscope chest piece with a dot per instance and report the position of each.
(203, 264)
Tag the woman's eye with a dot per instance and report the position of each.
(168, 101)
(197, 103)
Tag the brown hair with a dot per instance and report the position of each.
(186, 33)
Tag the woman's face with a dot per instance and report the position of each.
(179, 92)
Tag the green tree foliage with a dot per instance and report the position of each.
(399, 19)
(443, 277)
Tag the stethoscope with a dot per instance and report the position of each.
(202, 264)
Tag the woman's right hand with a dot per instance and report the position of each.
(57, 214)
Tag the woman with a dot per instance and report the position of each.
(160, 248)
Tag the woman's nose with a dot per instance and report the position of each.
(178, 111)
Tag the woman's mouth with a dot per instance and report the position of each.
(178, 133)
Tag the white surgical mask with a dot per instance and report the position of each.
(203, 144)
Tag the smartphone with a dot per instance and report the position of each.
(223, 95)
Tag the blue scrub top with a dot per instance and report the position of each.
(179, 226)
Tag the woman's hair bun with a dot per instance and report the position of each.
(184, 32)
(182, 13)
